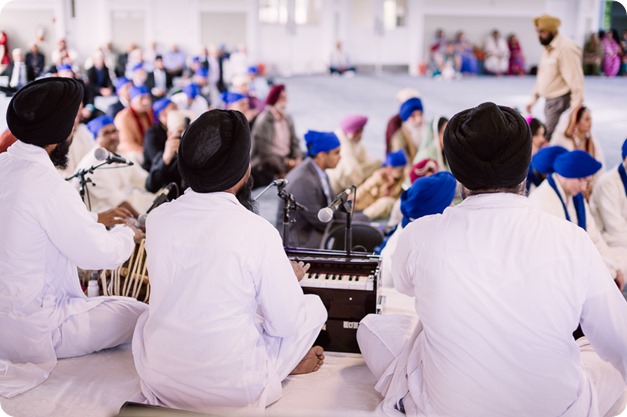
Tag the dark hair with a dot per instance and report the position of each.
(579, 114)
(159, 57)
(535, 125)
(441, 122)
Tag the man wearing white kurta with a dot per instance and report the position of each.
(560, 195)
(500, 286)
(355, 165)
(228, 320)
(46, 233)
(114, 185)
(608, 203)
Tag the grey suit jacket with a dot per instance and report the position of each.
(304, 183)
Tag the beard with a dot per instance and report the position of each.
(59, 156)
(244, 196)
(547, 41)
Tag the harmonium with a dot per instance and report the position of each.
(347, 284)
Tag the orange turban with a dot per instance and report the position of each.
(548, 23)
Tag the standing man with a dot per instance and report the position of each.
(500, 286)
(560, 73)
(310, 185)
(228, 320)
(46, 234)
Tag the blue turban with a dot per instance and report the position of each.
(410, 106)
(428, 195)
(121, 82)
(191, 90)
(320, 142)
(625, 149)
(138, 66)
(196, 59)
(230, 98)
(544, 159)
(64, 67)
(138, 91)
(98, 123)
(395, 159)
(576, 164)
(202, 72)
(159, 105)
(253, 70)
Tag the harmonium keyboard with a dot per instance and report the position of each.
(347, 285)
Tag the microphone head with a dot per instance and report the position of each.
(325, 215)
(280, 183)
(141, 221)
(101, 154)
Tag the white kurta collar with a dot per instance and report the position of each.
(495, 200)
(30, 152)
(223, 197)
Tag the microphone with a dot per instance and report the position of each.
(280, 183)
(101, 154)
(326, 214)
(161, 198)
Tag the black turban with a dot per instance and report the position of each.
(215, 151)
(488, 147)
(42, 112)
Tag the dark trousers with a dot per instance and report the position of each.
(553, 109)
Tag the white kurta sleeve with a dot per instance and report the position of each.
(280, 297)
(604, 316)
(72, 229)
(609, 204)
(401, 265)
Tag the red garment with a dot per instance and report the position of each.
(4, 48)
(6, 139)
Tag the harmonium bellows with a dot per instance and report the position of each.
(347, 285)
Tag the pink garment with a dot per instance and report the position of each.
(516, 59)
(611, 57)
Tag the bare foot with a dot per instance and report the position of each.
(312, 361)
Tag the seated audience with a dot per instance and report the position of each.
(174, 61)
(507, 349)
(19, 71)
(377, 194)
(428, 195)
(46, 235)
(159, 80)
(538, 141)
(496, 54)
(191, 99)
(542, 165)
(133, 122)
(608, 203)
(574, 131)
(562, 195)
(227, 315)
(122, 89)
(468, 60)
(355, 163)
(433, 147)
(310, 186)
(115, 185)
(276, 148)
(239, 102)
(395, 122)
(409, 137)
(161, 147)
(36, 60)
(98, 79)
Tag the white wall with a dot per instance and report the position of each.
(294, 49)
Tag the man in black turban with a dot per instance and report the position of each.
(47, 233)
(488, 148)
(221, 285)
(499, 286)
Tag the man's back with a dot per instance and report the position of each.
(216, 269)
(499, 297)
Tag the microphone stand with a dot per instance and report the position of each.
(348, 207)
(83, 181)
(290, 205)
